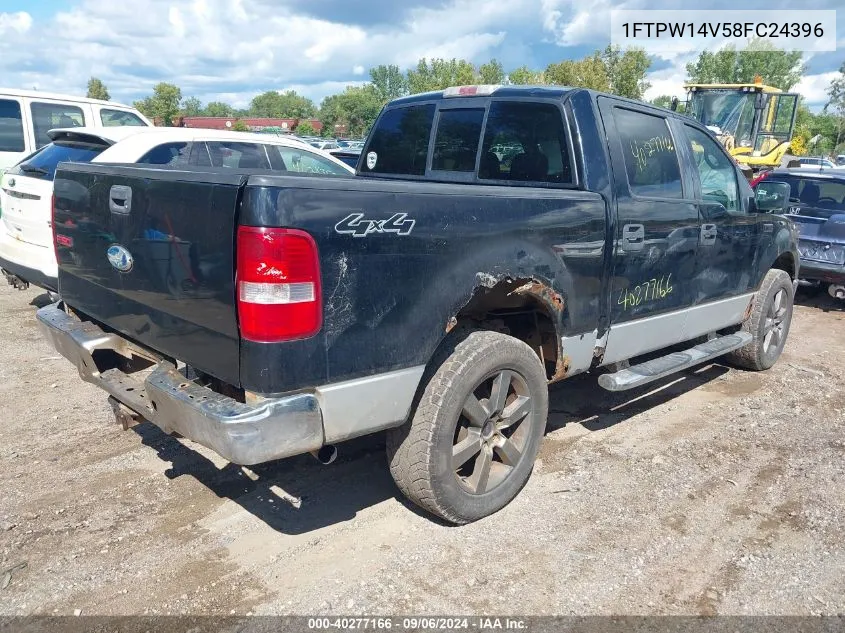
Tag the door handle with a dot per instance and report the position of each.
(120, 199)
(633, 237)
(708, 234)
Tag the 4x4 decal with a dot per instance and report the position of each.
(355, 225)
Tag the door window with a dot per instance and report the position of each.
(524, 142)
(11, 126)
(651, 159)
(236, 154)
(304, 162)
(174, 154)
(48, 116)
(715, 170)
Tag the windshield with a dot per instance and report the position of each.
(815, 197)
(730, 111)
(42, 164)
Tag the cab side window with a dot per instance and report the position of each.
(651, 158)
(715, 170)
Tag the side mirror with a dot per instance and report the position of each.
(674, 105)
(771, 197)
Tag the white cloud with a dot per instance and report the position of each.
(19, 22)
(814, 88)
(358, 70)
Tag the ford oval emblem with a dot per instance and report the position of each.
(120, 258)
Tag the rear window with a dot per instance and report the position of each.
(174, 154)
(400, 142)
(47, 116)
(42, 164)
(525, 142)
(817, 197)
(456, 142)
(117, 118)
(11, 126)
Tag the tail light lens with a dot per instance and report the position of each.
(278, 284)
(757, 179)
(53, 226)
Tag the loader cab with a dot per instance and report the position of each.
(754, 122)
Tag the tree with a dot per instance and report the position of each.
(163, 104)
(192, 107)
(218, 108)
(388, 82)
(626, 71)
(440, 74)
(589, 72)
(282, 105)
(240, 126)
(491, 73)
(356, 107)
(778, 68)
(305, 129)
(836, 104)
(97, 90)
(662, 101)
(524, 76)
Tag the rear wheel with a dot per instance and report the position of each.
(771, 316)
(471, 442)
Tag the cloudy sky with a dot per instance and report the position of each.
(231, 50)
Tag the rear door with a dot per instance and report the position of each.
(657, 226)
(150, 253)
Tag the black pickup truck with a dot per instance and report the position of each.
(494, 240)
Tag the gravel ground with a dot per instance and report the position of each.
(716, 492)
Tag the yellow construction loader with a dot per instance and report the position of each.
(753, 121)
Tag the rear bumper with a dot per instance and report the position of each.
(35, 264)
(242, 433)
(821, 271)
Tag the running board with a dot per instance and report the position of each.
(638, 375)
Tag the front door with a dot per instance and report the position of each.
(729, 234)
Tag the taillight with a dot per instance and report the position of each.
(277, 284)
(757, 179)
(53, 226)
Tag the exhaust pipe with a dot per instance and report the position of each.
(325, 454)
(836, 291)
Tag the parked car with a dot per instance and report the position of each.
(26, 244)
(436, 295)
(840, 160)
(816, 203)
(324, 145)
(26, 117)
(806, 162)
(348, 155)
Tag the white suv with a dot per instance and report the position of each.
(26, 117)
(27, 255)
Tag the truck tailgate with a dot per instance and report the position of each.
(150, 254)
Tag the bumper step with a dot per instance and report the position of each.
(644, 373)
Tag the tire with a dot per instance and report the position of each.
(771, 316)
(456, 413)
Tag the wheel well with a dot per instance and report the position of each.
(525, 309)
(785, 263)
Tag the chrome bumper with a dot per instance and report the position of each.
(242, 433)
